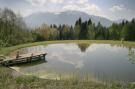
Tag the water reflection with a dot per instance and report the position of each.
(131, 55)
(101, 61)
(83, 46)
(33, 63)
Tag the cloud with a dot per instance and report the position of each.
(121, 12)
(37, 2)
(116, 8)
(57, 1)
(64, 5)
(44, 2)
(84, 6)
(27, 7)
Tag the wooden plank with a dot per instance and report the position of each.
(24, 58)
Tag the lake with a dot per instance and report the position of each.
(99, 62)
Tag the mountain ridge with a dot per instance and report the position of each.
(66, 17)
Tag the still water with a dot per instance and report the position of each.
(98, 61)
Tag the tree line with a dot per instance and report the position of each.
(87, 31)
(13, 30)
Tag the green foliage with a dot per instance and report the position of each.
(128, 31)
(77, 28)
(91, 31)
(88, 30)
(13, 30)
(45, 33)
(115, 32)
(100, 32)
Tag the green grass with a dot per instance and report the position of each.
(7, 81)
(7, 50)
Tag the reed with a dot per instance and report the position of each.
(8, 81)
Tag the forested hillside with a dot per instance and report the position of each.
(13, 30)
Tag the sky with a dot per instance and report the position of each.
(111, 9)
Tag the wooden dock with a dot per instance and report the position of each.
(24, 58)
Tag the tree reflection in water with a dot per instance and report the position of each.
(83, 46)
(131, 55)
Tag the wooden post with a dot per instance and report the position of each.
(44, 56)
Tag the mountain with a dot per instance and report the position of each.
(120, 21)
(67, 17)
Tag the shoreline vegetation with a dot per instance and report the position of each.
(10, 81)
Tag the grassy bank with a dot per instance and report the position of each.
(7, 50)
(7, 81)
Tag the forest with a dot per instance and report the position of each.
(14, 31)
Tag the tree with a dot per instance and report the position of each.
(84, 31)
(13, 30)
(115, 32)
(91, 30)
(128, 32)
(100, 33)
(77, 28)
(65, 32)
(60, 32)
(71, 33)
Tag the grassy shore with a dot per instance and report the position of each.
(7, 50)
(9, 81)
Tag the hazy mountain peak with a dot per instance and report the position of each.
(66, 17)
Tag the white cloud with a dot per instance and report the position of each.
(63, 5)
(37, 2)
(116, 8)
(44, 2)
(93, 8)
(27, 7)
(56, 1)
(120, 12)
(82, 1)
(84, 6)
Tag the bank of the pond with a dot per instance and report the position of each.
(8, 81)
(7, 50)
